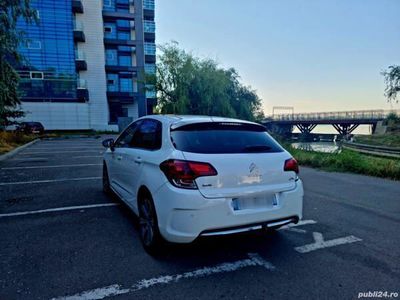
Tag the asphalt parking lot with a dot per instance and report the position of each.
(62, 238)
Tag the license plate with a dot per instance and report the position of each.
(259, 202)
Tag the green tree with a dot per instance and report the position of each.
(392, 81)
(10, 38)
(190, 85)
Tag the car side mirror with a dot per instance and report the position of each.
(109, 143)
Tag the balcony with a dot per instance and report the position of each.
(117, 42)
(82, 92)
(121, 97)
(149, 49)
(148, 8)
(151, 94)
(77, 6)
(117, 15)
(148, 4)
(80, 61)
(149, 30)
(149, 26)
(119, 68)
(79, 35)
(150, 69)
(150, 91)
(51, 90)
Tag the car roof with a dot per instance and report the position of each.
(180, 120)
(32, 123)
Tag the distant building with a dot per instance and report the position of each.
(86, 61)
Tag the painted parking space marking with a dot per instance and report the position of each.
(49, 181)
(86, 156)
(58, 152)
(54, 166)
(29, 159)
(253, 260)
(320, 243)
(57, 209)
(83, 148)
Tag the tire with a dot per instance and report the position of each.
(106, 181)
(149, 232)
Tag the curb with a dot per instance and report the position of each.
(17, 150)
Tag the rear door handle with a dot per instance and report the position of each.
(138, 160)
(119, 157)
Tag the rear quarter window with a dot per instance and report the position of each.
(222, 138)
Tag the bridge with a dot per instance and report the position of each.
(345, 122)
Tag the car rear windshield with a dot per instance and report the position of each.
(223, 137)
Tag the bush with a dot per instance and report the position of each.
(10, 140)
(349, 161)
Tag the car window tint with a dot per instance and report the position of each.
(125, 138)
(223, 138)
(148, 135)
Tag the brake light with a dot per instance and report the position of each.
(182, 173)
(291, 165)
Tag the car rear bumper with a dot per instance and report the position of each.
(184, 215)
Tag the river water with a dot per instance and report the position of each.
(327, 147)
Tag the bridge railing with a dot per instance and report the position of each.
(377, 114)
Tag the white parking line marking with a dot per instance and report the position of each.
(320, 243)
(34, 158)
(54, 166)
(86, 156)
(58, 152)
(116, 289)
(48, 181)
(83, 148)
(67, 208)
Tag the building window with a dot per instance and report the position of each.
(125, 60)
(110, 30)
(112, 82)
(34, 45)
(122, 35)
(149, 49)
(111, 57)
(107, 3)
(126, 85)
(36, 75)
(148, 4)
(150, 68)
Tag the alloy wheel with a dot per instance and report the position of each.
(147, 222)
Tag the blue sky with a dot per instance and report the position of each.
(315, 55)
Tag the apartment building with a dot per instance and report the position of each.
(87, 63)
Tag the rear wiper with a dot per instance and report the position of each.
(256, 148)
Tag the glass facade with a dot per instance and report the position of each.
(50, 50)
(149, 26)
(148, 4)
(149, 49)
(55, 60)
(150, 69)
(116, 5)
(119, 83)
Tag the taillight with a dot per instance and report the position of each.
(291, 165)
(182, 173)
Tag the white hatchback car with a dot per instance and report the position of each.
(191, 176)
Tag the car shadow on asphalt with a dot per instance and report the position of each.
(216, 249)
